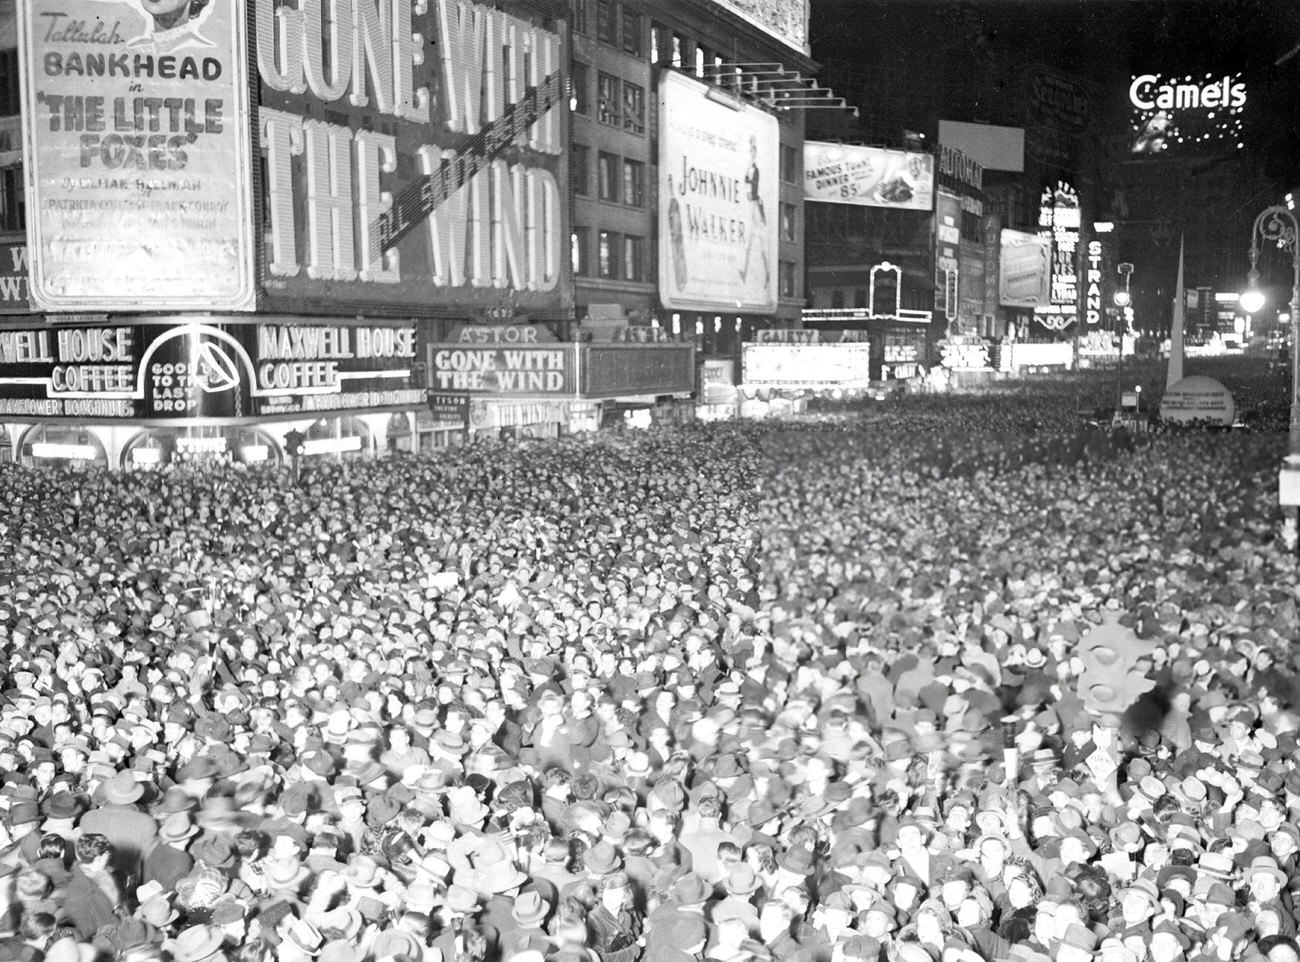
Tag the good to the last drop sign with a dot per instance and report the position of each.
(135, 129)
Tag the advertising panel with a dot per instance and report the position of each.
(868, 176)
(806, 365)
(786, 20)
(413, 156)
(1059, 219)
(524, 371)
(137, 151)
(947, 246)
(618, 370)
(1188, 114)
(992, 147)
(718, 213)
(209, 370)
(13, 278)
(1024, 272)
(718, 381)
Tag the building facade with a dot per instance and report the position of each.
(644, 77)
(309, 221)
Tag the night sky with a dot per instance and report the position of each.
(981, 45)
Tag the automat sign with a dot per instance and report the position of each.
(412, 157)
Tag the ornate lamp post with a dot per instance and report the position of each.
(1278, 225)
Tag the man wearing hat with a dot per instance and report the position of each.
(166, 860)
(1267, 885)
(121, 820)
(23, 821)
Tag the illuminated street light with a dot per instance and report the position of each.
(1278, 225)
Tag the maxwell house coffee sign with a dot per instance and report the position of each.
(137, 142)
(413, 154)
(231, 370)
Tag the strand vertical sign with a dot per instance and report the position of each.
(137, 152)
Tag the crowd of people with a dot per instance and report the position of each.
(807, 692)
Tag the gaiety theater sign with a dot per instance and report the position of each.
(412, 152)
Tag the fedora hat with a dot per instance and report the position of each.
(742, 880)
(196, 943)
(1264, 865)
(306, 937)
(122, 789)
(530, 909)
(177, 827)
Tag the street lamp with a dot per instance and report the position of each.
(1278, 225)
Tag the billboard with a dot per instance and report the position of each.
(13, 278)
(1187, 113)
(619, 370)
(413, 158)
(868, 176)
(137, 150)
(215, 369)
(1024, 269)
(806, 365)
(1060, 218)
(947, 260)
(718, 208)
(786, 20)
(992, 147)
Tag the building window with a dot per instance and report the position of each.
(607, 255)
(837, 296)
(633, 108)
(787, 222)
(633, 29)
(785, 276)
(607, 93)
(789, 164)
(580, 88)
(606, 22)
(609, 177)
(634, 183)
(677, 52)
(860, 297)
(13, 216)
(580, 251)
(9, 98)
(699, 62)
(580, 170)
(633, 258)
(581, 10)
(661, 44)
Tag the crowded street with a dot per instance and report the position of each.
(800, 689)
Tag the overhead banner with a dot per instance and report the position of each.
(210, 370)
(137, 148)
(718, 209)
(868, 176)
(806, 365)
(413, 157)
(1024, 269)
